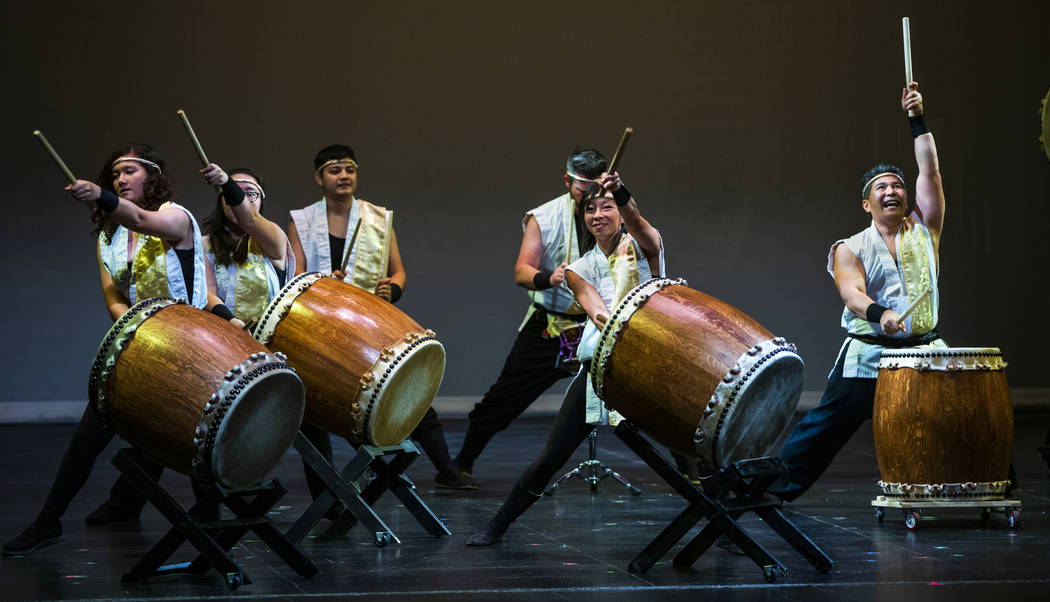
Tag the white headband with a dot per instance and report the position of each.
(347, 160)
(576, 176)
(877, 176)
(137, 160)
(251, 183)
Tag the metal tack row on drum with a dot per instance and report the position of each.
(205, 398)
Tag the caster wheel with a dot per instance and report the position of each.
(769, 573)
(879, 514)
(1013, 518)
(382, 539)
(986, 513)
(911, 520)
(234, 580)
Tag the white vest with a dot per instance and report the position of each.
(557, 232)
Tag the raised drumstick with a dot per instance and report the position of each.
(54, 155)
(912, 307)
(193, 138)
(906, 26)
(619, 149)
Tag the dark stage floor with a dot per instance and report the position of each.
(575, 545)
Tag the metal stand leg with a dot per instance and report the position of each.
(592, 470)
(723, 499)
(213, 540)
(343, 487)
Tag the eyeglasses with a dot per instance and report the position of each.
(251, 195)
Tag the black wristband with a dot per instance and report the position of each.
(918, 126)
(542, 280)
(222, 311)
(232, 193)
(874, 312)
(107, 201)
(621, 195)
(395, 292)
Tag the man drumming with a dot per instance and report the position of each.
(879, 272)
(319, 234)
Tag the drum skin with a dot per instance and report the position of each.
(676, 355)
(187, 384)
(943, 433)
(370, 370)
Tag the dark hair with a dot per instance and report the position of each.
(874, 171)
(158, 188)
(334, 151)
(588, 162)
(223, 247)
(587, 240)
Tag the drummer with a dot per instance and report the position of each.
(248, 255)
(319, 234)
(147, 247)
(878, 272)
(620, 250)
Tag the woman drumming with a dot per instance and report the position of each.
(624, 251)
(249, 257)
(147, 247)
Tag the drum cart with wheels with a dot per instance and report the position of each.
(912, 509)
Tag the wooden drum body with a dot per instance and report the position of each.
(697, 374)
(196, 393)
(370, 371)
(943, 424)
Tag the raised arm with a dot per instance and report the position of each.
(170, 225)
(640, 230)
(929, 193)
(527, 272)
(588, 298)
(849, 280)
(269, 236)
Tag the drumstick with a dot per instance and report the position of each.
(193, 138)
(54, 155)
(350, 245)
(906, 25)
(386, 246)
(619, 150)
(912, 307)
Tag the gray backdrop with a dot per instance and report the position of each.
(753, 122)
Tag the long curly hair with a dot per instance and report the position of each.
(158, 188)
(223, 246)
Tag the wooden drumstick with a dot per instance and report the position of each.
(912, 307)
(386, 247)
(906, 26)
(619, 149)
(350, 245)
(193, 138)
(54, 155)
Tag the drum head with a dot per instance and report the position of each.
(761, 411)
(258, 429)
(407, 394)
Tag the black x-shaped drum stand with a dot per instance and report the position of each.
(342, 487)
(212, 539)
(722, 499)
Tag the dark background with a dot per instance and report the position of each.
(753, 122)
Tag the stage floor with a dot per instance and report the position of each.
(574, 545)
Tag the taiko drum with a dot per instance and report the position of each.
(370, 371)
(943, 423)
(696, 374)
(196, 393)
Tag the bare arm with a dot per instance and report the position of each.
(116, 303)
(849, 280)
(268, 235)
(588, 298)
(395, 271)
(929, 192)
(170, 225)
(297, 248)
(529, 257)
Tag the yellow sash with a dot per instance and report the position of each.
(253, 286)
(623, 265)
(916, 268)
(372, 244)
(150, 267)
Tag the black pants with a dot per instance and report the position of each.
(528, 371)
(429, 435)
(824, 430)
(89, 439)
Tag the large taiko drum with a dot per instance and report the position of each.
(370, 371)
(696, 374)
(943, 424)
(196, 393)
